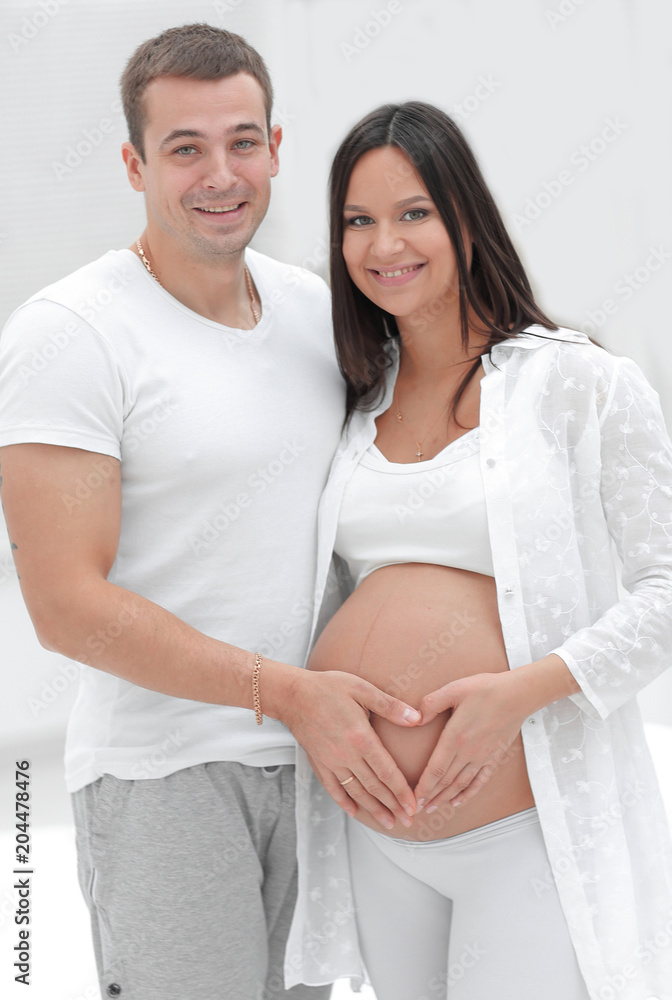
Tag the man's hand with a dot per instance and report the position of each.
(486, 718)
(328, 713)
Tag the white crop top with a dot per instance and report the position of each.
(421, 512)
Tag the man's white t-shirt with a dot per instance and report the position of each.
(225, 438)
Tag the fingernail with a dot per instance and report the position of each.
(431, 809)
(388, 823)
(411, 715)
(410, 810)
(456, 802)
(421, 803)
(405, 821)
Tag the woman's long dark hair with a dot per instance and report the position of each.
(496, 287)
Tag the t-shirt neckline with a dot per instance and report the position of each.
(166, 296)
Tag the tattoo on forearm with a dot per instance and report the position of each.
(14, 548)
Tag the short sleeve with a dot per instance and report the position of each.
(60, 382)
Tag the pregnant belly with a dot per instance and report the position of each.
(409, 629)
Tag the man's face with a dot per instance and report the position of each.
(208, 164)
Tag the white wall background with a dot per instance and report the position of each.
(532, 82)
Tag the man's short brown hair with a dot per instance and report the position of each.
(200, 51)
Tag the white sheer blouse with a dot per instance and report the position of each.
(575, 460)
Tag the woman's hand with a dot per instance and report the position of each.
(328, 713)
(486, 718)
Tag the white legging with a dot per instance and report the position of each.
(472, 917)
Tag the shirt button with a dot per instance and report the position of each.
(490, 462)
(113, 990)
(532, 721)
(508, 591)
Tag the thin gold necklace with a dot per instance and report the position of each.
(248, 281)
(419, 453)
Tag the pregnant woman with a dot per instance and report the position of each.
(489, 461)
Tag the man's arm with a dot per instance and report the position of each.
(64, 553)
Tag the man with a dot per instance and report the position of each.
(162, 470)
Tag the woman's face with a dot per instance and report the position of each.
(395, 245)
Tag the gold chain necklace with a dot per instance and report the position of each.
(248, 281)
(419, 453)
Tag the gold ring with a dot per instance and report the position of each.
(347, 780)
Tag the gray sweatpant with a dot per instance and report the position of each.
(191, 881)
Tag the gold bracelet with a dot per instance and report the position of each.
(256, 697)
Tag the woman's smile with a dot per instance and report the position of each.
(395, 275)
